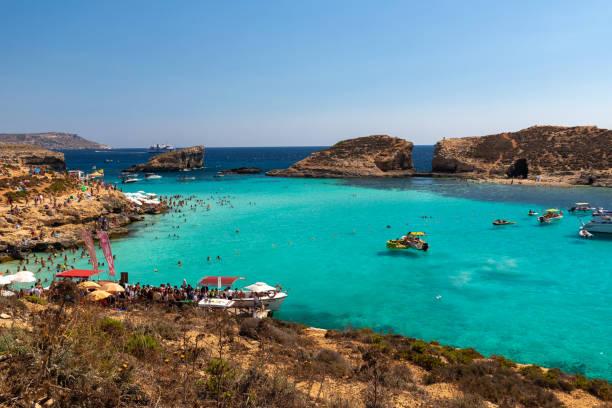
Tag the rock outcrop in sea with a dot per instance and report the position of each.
(31, 156)
(575, 155)
(370, 156)
(242, 170)
(182, 159)
(52, 140)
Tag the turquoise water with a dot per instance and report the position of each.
(536, 294)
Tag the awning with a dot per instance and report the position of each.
(78, 273)
(416, 233)
(552, 210)
(218, 281)
(260, 287)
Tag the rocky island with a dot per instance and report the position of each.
(370, 156)
(572, 155)
(182, 159)
(242, 170)
(52, 140)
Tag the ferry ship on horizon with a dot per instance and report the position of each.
(160, 148)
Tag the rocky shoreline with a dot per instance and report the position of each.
(539, 155)
(555, 155)
(42, 210)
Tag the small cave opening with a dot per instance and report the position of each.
(518, 169)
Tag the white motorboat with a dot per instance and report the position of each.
(582, 208)
(550, 215)
(252, 296)
(186, 178)
(151, 176)
(131, 180)
(600, 223)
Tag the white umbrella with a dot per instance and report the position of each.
(21, 277)
(24, 272)
(260, 287)
(6, 280)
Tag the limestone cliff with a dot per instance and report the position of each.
(31, 156)
(370, 156)
(188, 158)
(576, 155)
(52, 140)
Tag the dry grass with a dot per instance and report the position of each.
(81, 355)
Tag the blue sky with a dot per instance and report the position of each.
(269, 73)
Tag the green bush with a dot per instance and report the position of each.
(142, 346)
(427, 361)
(220, 376)
(112, 326)
(17, 195)
(60, 185)
(552, 378)
(599, 388)
(419, 346)
(580, 381)
(36, 299)
(377, 338)
(463, 356)
(602, 389)
(504, 362)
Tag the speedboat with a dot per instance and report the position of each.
(532, 213)
(185, 178)
(414, 240)
(601, 222)
(503, 222)
(582, 208)
(550, 215)
(257, 294)
(130, 180)
(150, 176)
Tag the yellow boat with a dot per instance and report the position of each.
(412, 240)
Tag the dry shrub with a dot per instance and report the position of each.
(269, 329)
(496, 384)
(255, 388)
(331, 361)
(248, 328)
(464, 401)
(12, 305)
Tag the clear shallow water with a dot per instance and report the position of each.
(536, 294)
